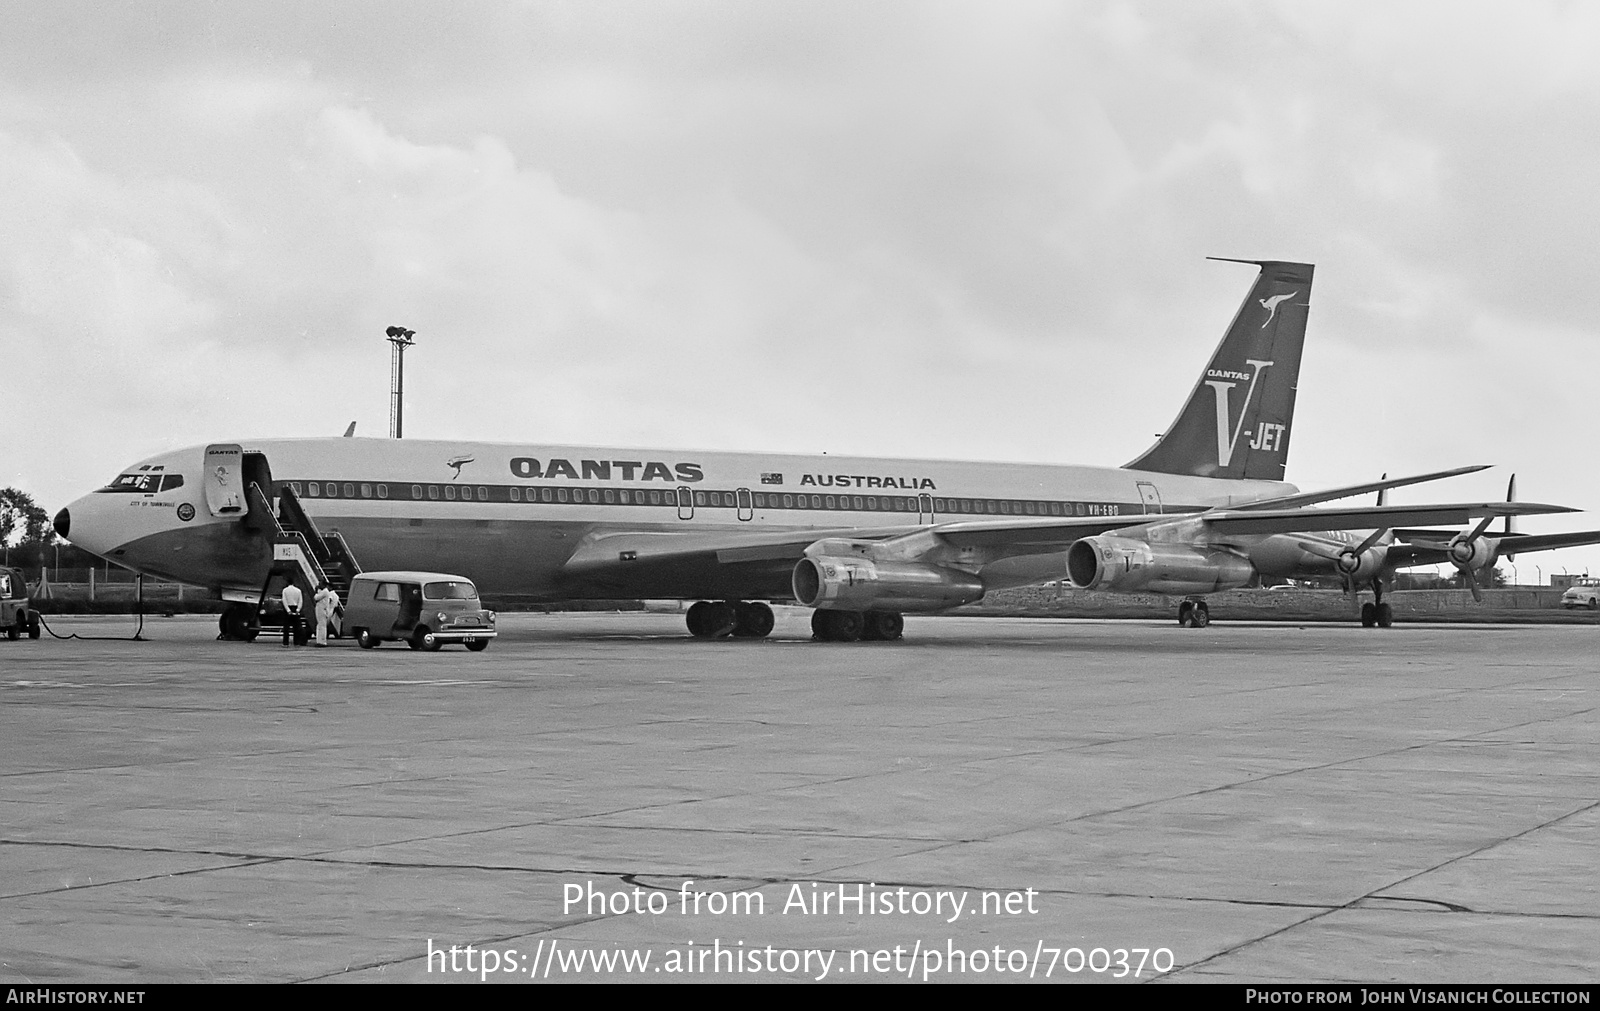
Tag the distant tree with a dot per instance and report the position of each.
(22, 522)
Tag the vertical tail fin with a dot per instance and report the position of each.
(1236, 422)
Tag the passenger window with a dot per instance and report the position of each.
(383, 491)
(450, 492)
(387, 591)
(366, 491)
(349, 490)
(313, 489)
(433, 492)
(483, 493)
(516, 495)
(466, 493)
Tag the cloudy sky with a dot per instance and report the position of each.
(957, 230)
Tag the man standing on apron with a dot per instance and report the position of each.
(327, 601)
(293, 601)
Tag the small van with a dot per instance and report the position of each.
(423, 609)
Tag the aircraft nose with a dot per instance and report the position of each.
(63, 524)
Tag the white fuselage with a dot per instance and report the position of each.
(510, 516)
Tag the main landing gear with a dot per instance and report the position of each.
(1377, 613)
(853, 626)
(1193, 614)
(742, 619)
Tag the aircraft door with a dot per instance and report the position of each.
(746, 511)
(1150, 497)
(253, 469)
(224, 480)
(924, 508)
(685, 504)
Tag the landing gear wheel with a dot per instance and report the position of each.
(1186, 614)
(422, 638)
(1369, 615)
(883, 626)
(707, 620)
(752, 620)
(1385, 615)
(237, 622)
(479, 646)
(696, 618)
(366, 640)
(838, 626)
(33, 624)
(1201, 616)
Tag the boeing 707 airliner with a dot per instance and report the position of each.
(861, 541)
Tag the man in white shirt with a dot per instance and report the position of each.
(293, 602)
(327, 601)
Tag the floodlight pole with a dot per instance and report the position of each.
(400, 337)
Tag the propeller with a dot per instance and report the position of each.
(1464, 549)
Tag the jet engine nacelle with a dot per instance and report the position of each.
(1123, 564)
(864, 584)
(1474, 555)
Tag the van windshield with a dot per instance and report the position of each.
(450, 591)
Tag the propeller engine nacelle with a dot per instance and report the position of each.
(1475, 554)
(864, 584)
(1124, 564)
(1360, 567)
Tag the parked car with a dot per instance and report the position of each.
(16, 616)
(425, 610)
(1582, 595)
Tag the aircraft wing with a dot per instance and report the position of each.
(1436, 552)
(1025, 536)
(1283, 521)
(612, 551)
(1333, 494)
(1036, 536)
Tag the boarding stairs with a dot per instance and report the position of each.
(301, 551)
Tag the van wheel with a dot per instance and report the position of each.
(479, 646)
(14, 632)
(425, 639)
(366, 640)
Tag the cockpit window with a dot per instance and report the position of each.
(145, 483)
(450, 591)
(135, 483)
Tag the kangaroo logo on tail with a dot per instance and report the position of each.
(1271, 305)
